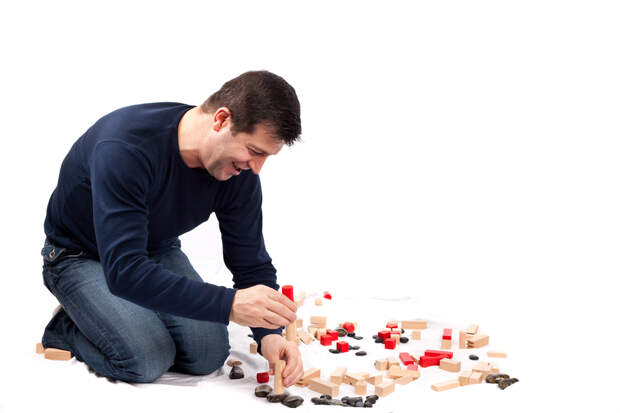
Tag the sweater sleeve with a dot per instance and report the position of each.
(241, 225)
(120, 179)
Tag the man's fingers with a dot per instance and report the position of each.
(282, 311)
(274, 320)
(282, 299)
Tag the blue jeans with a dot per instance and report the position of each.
(117, 338)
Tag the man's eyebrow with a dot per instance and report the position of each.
(257, 149)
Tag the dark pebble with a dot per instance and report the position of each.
(360, 353)
(358, 337)
(372, 397)
(236, 373)
(368, 404)
(251, 335)
(334, 350)
(402, 331)
(494, 378)
(341, 332)
(277, 398)
(503, 383)
(326, 396)
(375, 336)
(293, 401)
(473, 357)
(318, 400)
(262, 390)
(359, 404)
(404, 340)
(351, 334)
(379, 340)
(354, 347)
(335, 402)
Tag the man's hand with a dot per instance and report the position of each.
(275, 347)
(262, 306)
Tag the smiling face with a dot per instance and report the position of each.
(225, 155)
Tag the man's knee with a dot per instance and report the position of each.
(204, 353)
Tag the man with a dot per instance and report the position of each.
(132, 305)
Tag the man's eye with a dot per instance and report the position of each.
(254, 152)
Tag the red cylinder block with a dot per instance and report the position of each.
(287, 290)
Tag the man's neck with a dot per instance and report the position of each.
(189, 137)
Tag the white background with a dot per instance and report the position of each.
(462, 153)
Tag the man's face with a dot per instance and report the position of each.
(229, 155)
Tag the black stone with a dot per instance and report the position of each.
(402, 331)
(262, 390)
(494, 378)
(334, 350)
(372, 397)
(358, 337)
(354, 400)
(351, 334)
(251, 335)
(326, 396)
(375, 336)
(318, 400)
(335, 402)
(368, 404)
(379, 340)
(341, 332)
(277, 398)
(473, 357)
(503, 383)
(404, 340)
(354, 347)
(360, 353)
(293, 401)
(236, 373)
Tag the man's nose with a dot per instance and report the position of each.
(256, 164)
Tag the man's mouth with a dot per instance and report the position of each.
(237, 169)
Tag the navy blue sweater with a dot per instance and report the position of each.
(124, 192)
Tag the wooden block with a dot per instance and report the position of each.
(393, 361)
(450, 365)
(445, 385)
(494, 367)
(291, 331)
(312, 330)
(477, 341)
(40, 349)
(278, 386)
(57, 354)
(233, 362)
(484, 368)
(384, 388)
(492, 353)
(318, 301)
(395, 337)
(299, 298)
(323, 387)
(300, 323)
(381, 364)
(462, 340)
(464, 377)
(253, 347)
(446, 344)
(338, 375)
(472, 329)
(309, 374)
(319, 321)
(416, 335)
(305, 336)
(376, 379)
(475, 377)
(396, 372)
(414, 324)
(404, 380)
(320, 332)
(352, 378)
(360, 388)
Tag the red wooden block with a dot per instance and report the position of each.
(343, 346)
(447, 334)
(327, 295)
(262, 377)
(287, 290)
(385, 334)
(413, 366)
(326, 340)
(390, 343)
(406, 358)
(426, 361)
(391, 325)
(350, 327)
(441, 353)
(333, 333)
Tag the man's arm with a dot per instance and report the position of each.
(120, 179)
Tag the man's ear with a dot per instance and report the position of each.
(221, 118)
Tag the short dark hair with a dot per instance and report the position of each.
(259, 97)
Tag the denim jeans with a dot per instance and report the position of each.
(117, 338)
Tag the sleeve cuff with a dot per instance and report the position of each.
(259, 333)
